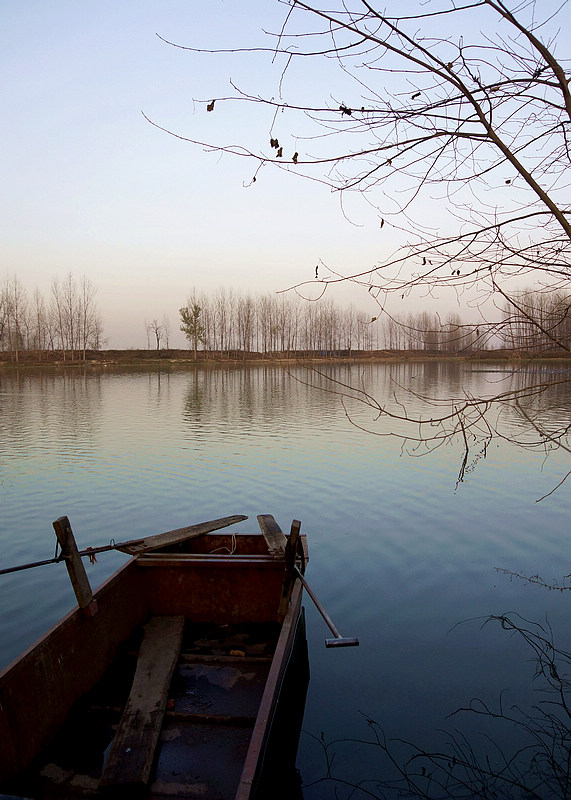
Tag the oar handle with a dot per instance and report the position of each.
(338, 641)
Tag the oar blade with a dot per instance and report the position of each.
(137, 546)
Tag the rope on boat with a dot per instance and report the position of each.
(228, 550)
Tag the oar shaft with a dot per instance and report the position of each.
(203, 527)
(319, 607)
(90, 551)
(29, 566)
(338, 641)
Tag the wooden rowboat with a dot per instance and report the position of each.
(165, 682)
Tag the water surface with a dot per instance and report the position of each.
(400, 554)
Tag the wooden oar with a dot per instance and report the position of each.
(277, 543)
(338, 641)
(137, 546)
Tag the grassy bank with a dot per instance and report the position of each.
(106, 358)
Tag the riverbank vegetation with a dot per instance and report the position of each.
(67, 322)
(237, 358)
(227, 325)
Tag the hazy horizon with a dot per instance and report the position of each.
(91, 187)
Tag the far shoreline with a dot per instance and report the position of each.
(103, 359)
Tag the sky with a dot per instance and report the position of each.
(90, 186)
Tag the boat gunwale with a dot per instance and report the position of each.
(179, 559)
(262, 728)
(127, 571)
(67, 619)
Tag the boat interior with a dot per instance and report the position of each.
(188, 640)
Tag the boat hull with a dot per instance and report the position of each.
(225, 580)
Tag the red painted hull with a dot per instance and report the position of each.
(223, 579)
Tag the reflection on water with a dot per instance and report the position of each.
(399, 556)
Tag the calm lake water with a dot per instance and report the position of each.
(400, 555)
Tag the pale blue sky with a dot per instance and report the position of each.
(89, 186)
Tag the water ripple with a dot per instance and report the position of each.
(399, 553)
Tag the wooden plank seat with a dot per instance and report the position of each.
(132, 752)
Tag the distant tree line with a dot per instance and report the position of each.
(67, 320)
(536, 321)
(229, 323)
(430, 332)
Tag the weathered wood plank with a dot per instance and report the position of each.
(211, 719)
(273, 534)
(137, 546)
(131, 756)
(289, 577)
(74, 564)
(203, 658)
